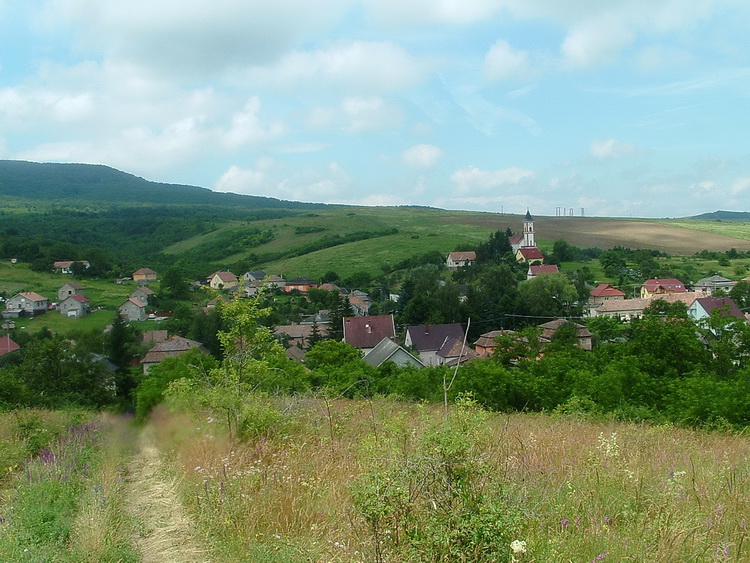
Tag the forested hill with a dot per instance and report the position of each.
(742, 216)
(97, 183)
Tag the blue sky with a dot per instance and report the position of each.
(620, 108)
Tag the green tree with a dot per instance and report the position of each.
(151, 389)
(174, 284)
(121, 344)
(551, 295)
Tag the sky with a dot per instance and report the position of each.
(626, 108)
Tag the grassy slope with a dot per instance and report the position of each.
(422, 230)
(101, 293)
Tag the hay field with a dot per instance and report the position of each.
(608, 232)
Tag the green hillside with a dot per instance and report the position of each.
(121, 222)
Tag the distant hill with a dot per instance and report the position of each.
(97, 183)
(743, 216)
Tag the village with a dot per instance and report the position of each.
(379, 338)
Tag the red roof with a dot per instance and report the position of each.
(367, 332)
(543, 269)
(433, 337)
(606, 290)
(665, 285)
(531, 253)
(463, 256)
(7, 345)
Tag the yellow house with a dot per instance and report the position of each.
(144, 275)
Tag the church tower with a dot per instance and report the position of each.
(528, 231)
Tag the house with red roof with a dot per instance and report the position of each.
(662, 286)
(222, 280)
(458, 260)
(364, 333)
(7, 345)
(66, 266)
(75, 306)
(541, 269)
(529, 255)
(26, 303)
(133, 310)
(170, 348)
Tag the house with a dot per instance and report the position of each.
(298, 334)
(664, 286)
(154, 336)
(222, 280)
(364, 333)
(7, 345)
(75, 306)
(275, 281)
(301, 284)
(66, 266)
(170, 348)
(583, 335)
(455, 351)
(714, 283)
(360, 302)
(388, 351)
(68, 289)
(622, 309)
(628, 309)
(601, 294)
(133, 310)
(703, 307)
(529, 255)
(605, 292)
(254, 276)
(458, 260)
(142, 294)
(487, 342)
(144, 275)
(541, 269)
(27, 303)
(427, 340)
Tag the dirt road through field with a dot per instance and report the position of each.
(165, 532)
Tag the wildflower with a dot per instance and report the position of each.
(518, 547)
(564, 523)
(599, 557)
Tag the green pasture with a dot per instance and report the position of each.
(736, 229)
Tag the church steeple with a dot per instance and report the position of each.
(528, 231)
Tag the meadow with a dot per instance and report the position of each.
(384, 480)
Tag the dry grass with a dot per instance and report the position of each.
(586, 489)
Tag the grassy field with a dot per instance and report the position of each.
(423, 230)
(105, 297)
(325, 486)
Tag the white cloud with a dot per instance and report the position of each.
(370, 114)
(244, 180)
(502, 62)
(270, 178)
(353, 66)
(595, 41)
(186, 37)
(472, 179)
(611, 148)
(246, 127)
(740, 185)
(422, 156)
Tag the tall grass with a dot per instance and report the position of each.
(583, 490)
(66, 503)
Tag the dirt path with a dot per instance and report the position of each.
(165, 530)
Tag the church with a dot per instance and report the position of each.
(524, 244)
